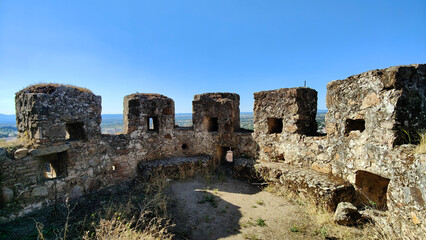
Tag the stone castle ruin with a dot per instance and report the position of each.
(365, 158)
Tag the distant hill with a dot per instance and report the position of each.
(7, 120)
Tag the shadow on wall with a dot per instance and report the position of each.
(371, 189)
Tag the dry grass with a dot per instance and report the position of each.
(421, 148)
(323, 222)
(115, 225)
(143, 216)
(51, 87)
(122, 230)
(318, 221)
(12, 146)
(120, 221)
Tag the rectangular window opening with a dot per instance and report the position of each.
(275, 125)
(75, 131)
(371, 189)
(211, 124)
(153, 124)
(54, 165)
(354, 125)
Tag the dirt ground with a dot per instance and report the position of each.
(209, 206)
(232, 209)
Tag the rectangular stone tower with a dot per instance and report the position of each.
(148, 113)
(49, 113)
(386, 106)
(280, 117)
(216, 112)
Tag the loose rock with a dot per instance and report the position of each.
(346, 214)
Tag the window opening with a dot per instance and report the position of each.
(354, 125)
(75, 131)
(153, 124)
(275, 125)
(54, 165)
(211, 124)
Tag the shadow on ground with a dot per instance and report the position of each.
(200, 210)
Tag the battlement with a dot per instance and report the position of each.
(371, 118)
(148, 113)
(216, 112)
(51, 113)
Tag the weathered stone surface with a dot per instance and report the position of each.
(394, 96)
(94, 162)
(49, 150)
(244, 169)
(285, 127)
(7, 195)
(141, 108)
(294, 110)
(49, 113)
(346, 214)
(175, 168)
(40, 191)
(3, 154)
(216, 112)
(323, 189)
(76, 192)
(21, 153)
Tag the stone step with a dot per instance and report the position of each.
(243, 168)
(175, 167)
(325, 190)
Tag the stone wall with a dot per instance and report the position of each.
(372, 118)
(285, 126)
(66, 156)
(55, 113)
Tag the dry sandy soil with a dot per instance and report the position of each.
(210, 206)
(232, 209)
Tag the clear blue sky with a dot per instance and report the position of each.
(180, 48)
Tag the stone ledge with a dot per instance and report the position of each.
(176, 167)
(323, 189)
(49, 150)
(244, 169)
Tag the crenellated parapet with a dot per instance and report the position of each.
(66, 155)
(365, 157)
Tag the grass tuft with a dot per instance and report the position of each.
(210, 199)
(260, 202)
(261, 222)
(421, 148)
